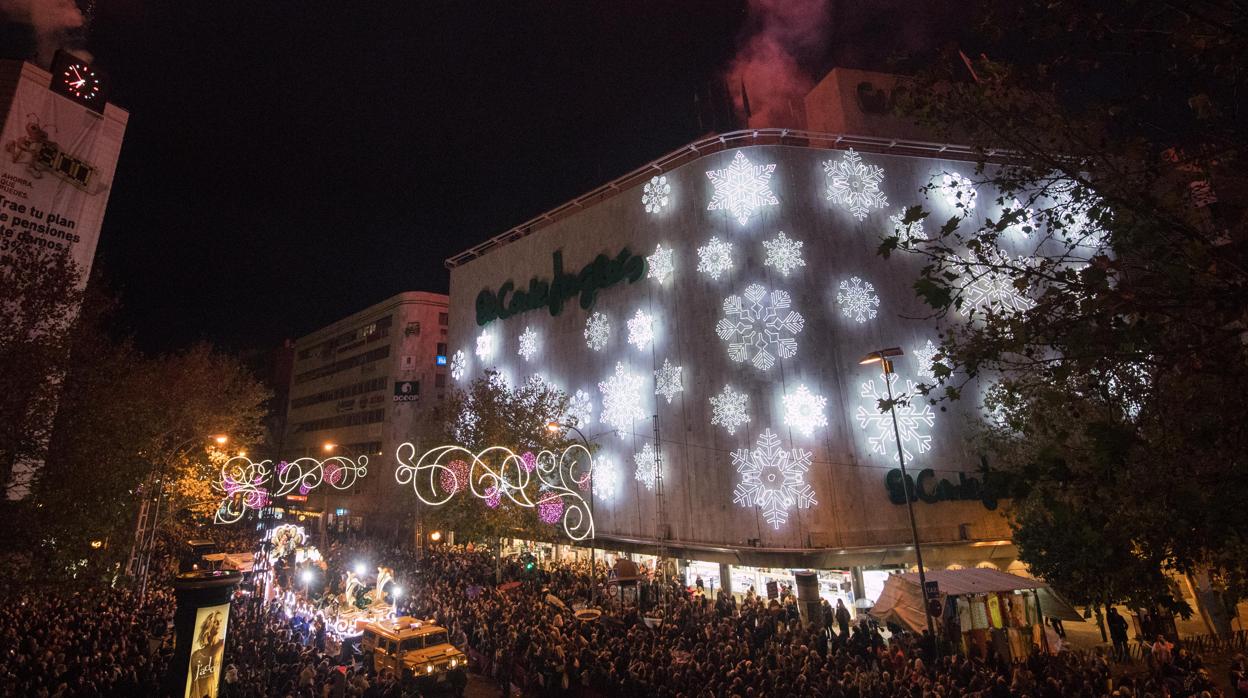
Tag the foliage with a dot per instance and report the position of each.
(1119, 124)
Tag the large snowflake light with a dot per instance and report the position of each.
(597, 331)
(667, 381)
(989, 283)
(854, 184)
(621, 400)
(728, 409)
(659, 265)
(459, 364)
(803, 410)
(647, 467)
(783, 254)
(656, 194)
(715, 257)
(907, 232)
(580, 409)
(741, 188)
(773, 479)
(857, 299)
(924, 356)
(485, 345)
(641, 330)
(914, 419)
(528, 343)
(605, 478)
(758, 328)
(958, 191)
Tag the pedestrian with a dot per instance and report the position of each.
(1118, 633)
(842, 618)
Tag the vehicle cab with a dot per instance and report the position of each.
(416, 649)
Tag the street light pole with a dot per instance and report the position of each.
(884, 356)
(593, 546)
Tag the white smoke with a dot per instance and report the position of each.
(57, 24)
(768, 62)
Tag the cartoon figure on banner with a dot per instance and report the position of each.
(41, 154)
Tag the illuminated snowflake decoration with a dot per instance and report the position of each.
(1025, 223)
(759, 327)
(855, 185)
(907, 232)
(500, 380)
(667, 381)
(621, 400)
(597, 331)
(1074, 216)
(659, 265)
(485, 345)
(641, 330)
(715, 257)
(914, 418)
(857, 299)
(528, 343)
(989, 283)
(729, 409)
(958, 191)
(741, 188)
(459, 364)
(606, 478)
(773, 479)
(580, 409)
(925, 356)
(803, 410)
(783, 254)
(656, 194)
(647, 468)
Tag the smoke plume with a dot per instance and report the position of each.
(781, 35)
(57, 24)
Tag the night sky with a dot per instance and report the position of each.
(287, 164)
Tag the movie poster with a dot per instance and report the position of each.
(207, 650)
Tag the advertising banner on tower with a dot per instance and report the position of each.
(203, 677)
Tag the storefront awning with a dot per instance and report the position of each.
(902, 598)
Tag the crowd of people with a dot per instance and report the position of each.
(523, 636)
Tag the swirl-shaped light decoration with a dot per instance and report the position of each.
(499, 472)
(258, 481)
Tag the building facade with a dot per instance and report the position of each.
(357, 387)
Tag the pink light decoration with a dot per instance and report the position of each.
(493, 497)
(455, 477)
(583, 483)
(529, 461)
(304, 489)
(550, 509)
(333, 473)
(282, 467)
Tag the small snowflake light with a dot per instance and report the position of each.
(773, 479)
(989, 283)
(550, 508)
(459, 364)
(647, 468)
(914, 418)
(803, 410)
(621, 400)
(958, 191)
(641, 330)
(729, 409)
(659, 265)
(528, 343)
(715, 257)
(783, 254)
(854, 184)
(580, 409)
(667, 381)
(857, 299)
(907, 232)
(924, 356)
(455, 476)
(485, 345)
(1025, 219)
(597, 331)
(605, 478)
(742, 188)
(757, 327)
(656, 194)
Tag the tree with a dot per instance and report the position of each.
(1111, 135)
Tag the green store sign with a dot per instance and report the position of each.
(603, 272)
(989, 488)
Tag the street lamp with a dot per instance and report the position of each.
(396, 593)
(360, 569)
(885, 359)
(555, 427)
(307, 582)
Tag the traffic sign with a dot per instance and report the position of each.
(931, 591)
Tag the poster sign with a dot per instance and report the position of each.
(406, 391)
(207, 649)
(931, 590)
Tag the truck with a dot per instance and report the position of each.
(416, 650)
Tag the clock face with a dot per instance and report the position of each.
(81, 82)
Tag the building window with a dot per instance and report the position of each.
(413, 329)
(439, 380)
(444, 319)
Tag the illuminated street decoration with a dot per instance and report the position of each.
(497, 472)
(528, 343)
(1073, 215)
(783, 254)
(854, 184)
(715, 257)
(803, 410)
(741, 188)
(621, 400)
(605, 478)
(760, 327)
(857, 299)
(988, 283)
(597, 331)
(924, 356)
(248, 484)
(659, 265)
(1025, 223)
(773, 479)
(667, 381)
(729, 409)
(958, 191)
(580, 409)
(647, 466)
(528, 461)
(641, 330)
(455, 476)
(914, 418)
(656, 194)
(459, 364)
(907, 232)
(485, 345)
